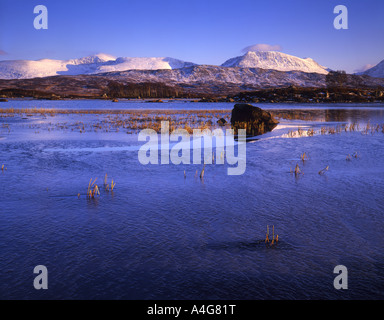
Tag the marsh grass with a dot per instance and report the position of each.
(310, 132)
(202, 173)
(267, 235)
(355, 155)
(304, 157)
(131, 121)
(297, 171)
(92, 193)
(275, 239)
(108, 187)
(323, 171)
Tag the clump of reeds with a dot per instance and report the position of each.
(202, 173)
(297, 171)
(323, 130)
(304, 157)
(274, 239)
(108, 187)
(300, 132)
(321, 172)
(267, 235)
(355, 155)
(91, 193)
(291, 133)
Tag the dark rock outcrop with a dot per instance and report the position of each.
(255, 120)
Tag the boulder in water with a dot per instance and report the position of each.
(255, 120)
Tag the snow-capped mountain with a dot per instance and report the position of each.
(25, 69)
(101, 63)
(276, 61)
(121, 64)
(377, 71)
(198, 80)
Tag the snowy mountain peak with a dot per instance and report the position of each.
(276, 61)
(377, 71)
(97, 58)
(121, 64)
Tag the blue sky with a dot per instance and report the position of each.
(204, 32)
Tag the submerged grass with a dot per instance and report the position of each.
(202, 173)
(108, 187)
(321, 172)
(131, 121)
(304, 157)
(297, 171)
(275, 239)
(91, 193)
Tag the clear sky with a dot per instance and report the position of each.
(200, 31)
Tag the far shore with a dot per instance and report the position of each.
(290, 95)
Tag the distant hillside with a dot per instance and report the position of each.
(377, 71)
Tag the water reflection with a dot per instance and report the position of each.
(331, 115)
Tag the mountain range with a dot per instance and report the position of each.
(101, 63)
(105, 75)
(26, 69)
